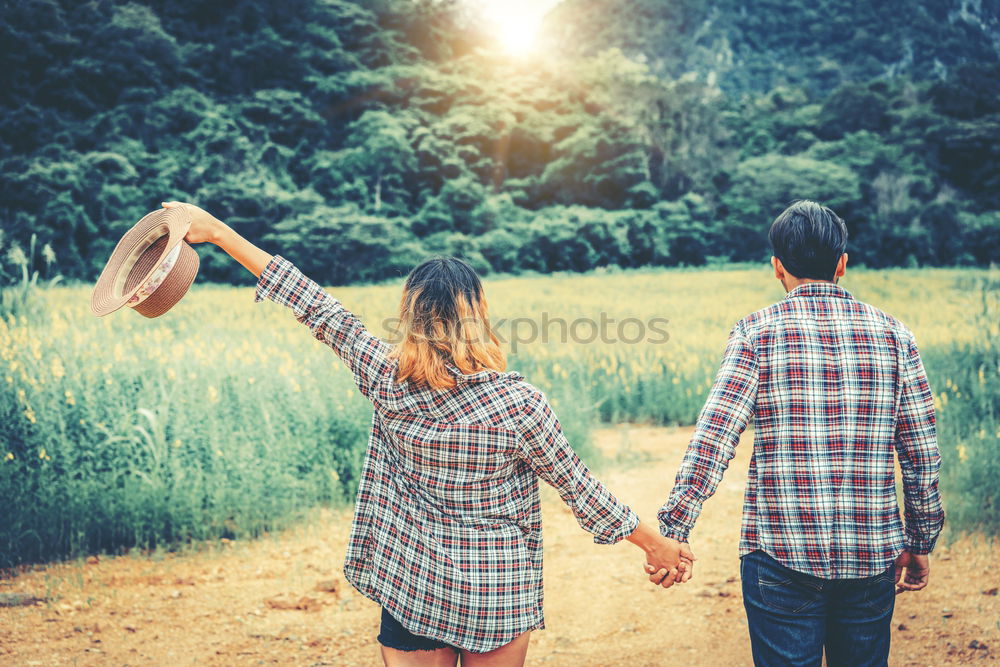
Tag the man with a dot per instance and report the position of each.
(834, 386)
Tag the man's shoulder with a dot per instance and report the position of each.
(785, 310)
(885, 319)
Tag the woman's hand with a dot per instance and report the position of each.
(205, 227)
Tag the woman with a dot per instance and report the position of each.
(446, 534)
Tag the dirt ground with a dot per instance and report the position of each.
(283, 600)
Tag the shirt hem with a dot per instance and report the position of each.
(372, 594)
(840, 574)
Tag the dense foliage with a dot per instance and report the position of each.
(358, 137)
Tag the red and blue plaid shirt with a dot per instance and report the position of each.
(834, 386)
(447, 529)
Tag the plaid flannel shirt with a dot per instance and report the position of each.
(834, 386)
(447, 529)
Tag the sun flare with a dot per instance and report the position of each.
(516, 23)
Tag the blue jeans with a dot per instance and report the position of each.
(793, 616)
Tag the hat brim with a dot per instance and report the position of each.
(131, 265)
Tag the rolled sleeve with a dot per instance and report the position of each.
(549, 454)
(278, 272)
(674, 533)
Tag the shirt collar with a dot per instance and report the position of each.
(482, 376)
(820, 290)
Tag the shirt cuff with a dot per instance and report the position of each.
(277, 270)
(917, 544)
(674, 532)
(628, 525)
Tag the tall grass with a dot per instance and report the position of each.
(967, 397)
(224, 418)
(20, 283)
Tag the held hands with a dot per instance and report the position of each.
(664, 576)
(667, 561)
(205, 227)
(918, 571)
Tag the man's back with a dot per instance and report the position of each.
(834, 385)
(835, 378)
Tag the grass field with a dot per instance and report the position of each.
(224, 418)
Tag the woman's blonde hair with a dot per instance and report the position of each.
(443, 319)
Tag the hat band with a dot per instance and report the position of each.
(157, 277)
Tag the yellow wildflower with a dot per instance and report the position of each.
(70, 400)
(9, 457)
(962, 454)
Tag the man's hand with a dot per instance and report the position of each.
(918, 571)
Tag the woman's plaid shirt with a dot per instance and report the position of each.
(447, 530)
(834, 387)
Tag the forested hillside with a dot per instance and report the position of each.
(757, 46)
(356, 138)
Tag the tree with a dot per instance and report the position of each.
(378, 153)
(763, 186)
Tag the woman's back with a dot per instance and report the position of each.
(447, 528)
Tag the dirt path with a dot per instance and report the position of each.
(229, 606)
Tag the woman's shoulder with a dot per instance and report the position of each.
(531, 397)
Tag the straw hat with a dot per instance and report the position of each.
(151, 268)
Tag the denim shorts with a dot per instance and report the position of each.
(394, 635)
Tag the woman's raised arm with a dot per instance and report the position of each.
(278, 280)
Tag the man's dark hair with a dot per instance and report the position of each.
(809, 240)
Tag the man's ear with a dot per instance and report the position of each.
(779, 270)
(841, 267)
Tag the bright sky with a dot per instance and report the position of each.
(517, 21)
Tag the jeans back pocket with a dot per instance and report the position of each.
(785, 590)
(880, 592)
